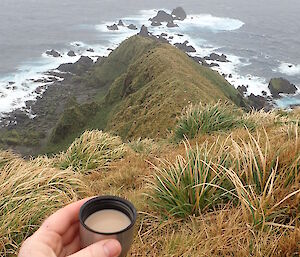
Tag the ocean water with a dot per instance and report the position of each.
(260, 38)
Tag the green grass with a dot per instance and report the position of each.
(26, 137)
(194, 184)
(157, 86)
(206, 119)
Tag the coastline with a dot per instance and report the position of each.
(28, 84)
(56, 87)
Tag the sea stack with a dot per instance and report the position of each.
(112, 27)
(162, 16)
(179, 14)
(279, 86)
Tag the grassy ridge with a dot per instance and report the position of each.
(149, 84)
(155, 89)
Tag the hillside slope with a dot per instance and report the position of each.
(155, 89)
(151, 82)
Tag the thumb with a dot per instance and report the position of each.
(105, 248)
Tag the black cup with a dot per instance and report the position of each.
(88, 236)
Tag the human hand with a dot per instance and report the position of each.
(58, 236)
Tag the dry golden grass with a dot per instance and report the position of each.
(263, 220)
(29, 192)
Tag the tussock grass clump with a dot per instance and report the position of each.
(144, 146)
(266, 179)
(193, 184)
(208, 118)
(29, 193)
(93, 149)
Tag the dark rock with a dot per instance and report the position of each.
(180, 35)
(162, 16)
(164, 34)
(290, 66)
(39, 90)
(53, 53)
(230, 76)
(84, 61)
(216, 57)
(90, 50)
(185, 48)
(112, 27)
(11, 83)
(162, 39)
(179, 14)
(120, 23)
(257, 102)
(281, 86)
(171, 24)
(132, 27)
(242, 89)
(171, 37)
(19, 116)
(264, 93)
(201, 61)
(71, 53)
(59, 74)
(79, 67)
(213, 65)
(43, 80)
(144, 31)
(156, 23)
(29, 103)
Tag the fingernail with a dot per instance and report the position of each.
(111, 248)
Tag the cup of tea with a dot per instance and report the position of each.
(107, 217)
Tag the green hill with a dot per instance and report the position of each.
(143, 87)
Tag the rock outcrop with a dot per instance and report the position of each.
(171, 24)
(185, 47)
(121, 23)
(258, 102)
(162, 16)
(53, 53)
(242, 89)
(179, 14)
(132, 27)
(216, 57)
(279, 86)
(144, 32)
(77, 68)
(71, 53)
(112, 27)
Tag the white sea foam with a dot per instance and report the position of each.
(288, 69)
(207, 21)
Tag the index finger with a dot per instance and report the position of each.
(62, 220)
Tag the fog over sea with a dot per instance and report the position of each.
(260, 38)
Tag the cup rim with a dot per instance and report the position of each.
(113, 198)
